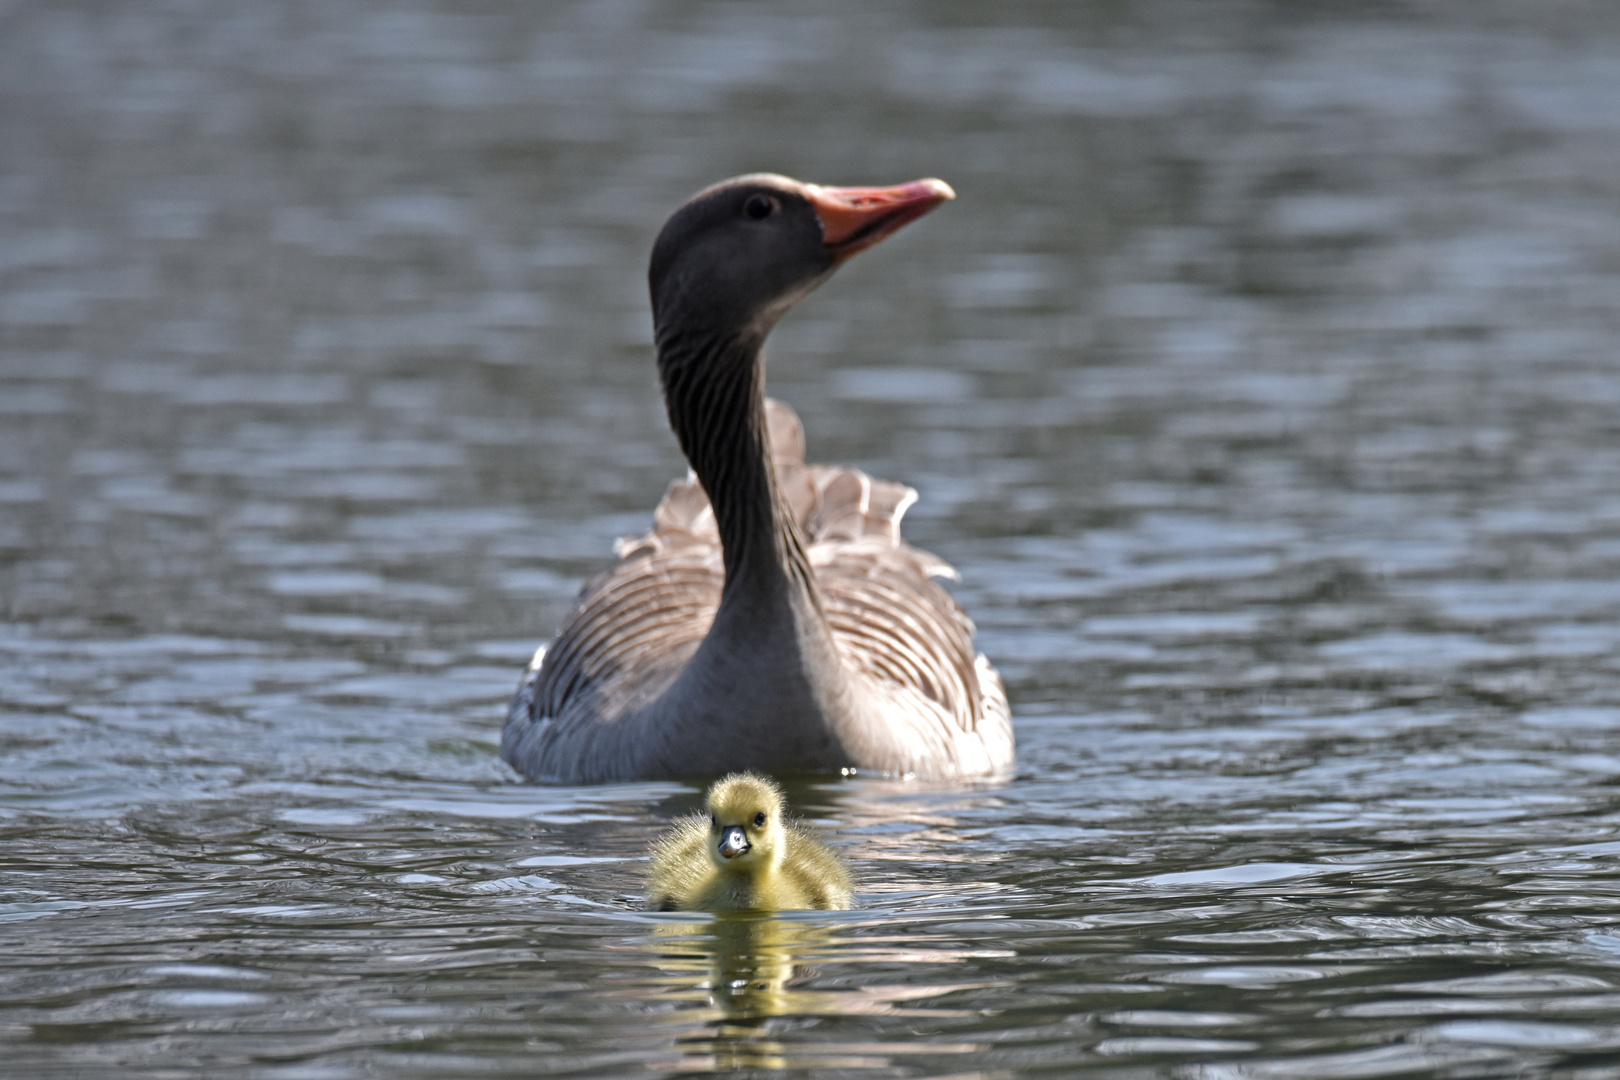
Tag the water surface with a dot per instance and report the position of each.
(1261, 383)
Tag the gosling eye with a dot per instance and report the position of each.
(760, 207)
(759, 820)
(714, 822)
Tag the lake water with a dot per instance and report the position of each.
(1262, 383)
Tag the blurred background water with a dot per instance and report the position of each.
(1261, 383)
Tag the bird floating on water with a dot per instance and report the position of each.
(743, 854)
(773, 618)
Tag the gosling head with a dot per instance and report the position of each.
(745, 823)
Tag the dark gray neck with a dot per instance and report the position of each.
(714, 390)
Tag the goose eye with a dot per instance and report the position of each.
(759, 821)
(759, 207)
(714, 822)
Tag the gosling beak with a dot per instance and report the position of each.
(855, 218)
(733, 841)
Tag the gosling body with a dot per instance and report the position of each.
(743, 854)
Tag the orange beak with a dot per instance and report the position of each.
(855, 218)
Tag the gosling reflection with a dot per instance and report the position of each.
(747, 962)
(749, 967)
(748, 979)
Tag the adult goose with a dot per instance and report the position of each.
(772, 619)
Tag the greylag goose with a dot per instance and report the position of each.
(772, 619)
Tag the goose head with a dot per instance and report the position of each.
(746, 823)
(737, 255)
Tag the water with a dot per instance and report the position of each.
(1261, 383)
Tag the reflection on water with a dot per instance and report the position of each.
(750, 968)
(1261, 383)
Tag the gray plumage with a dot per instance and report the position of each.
(784, 626)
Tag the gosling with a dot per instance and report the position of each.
(744, 855)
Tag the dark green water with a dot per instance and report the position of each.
(1261, 382)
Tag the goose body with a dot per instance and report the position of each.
(743, 854)
(772, 618)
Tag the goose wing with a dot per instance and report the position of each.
(637, 623)
(640, 621)
(893, 621)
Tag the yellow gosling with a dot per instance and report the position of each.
(744, 854)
